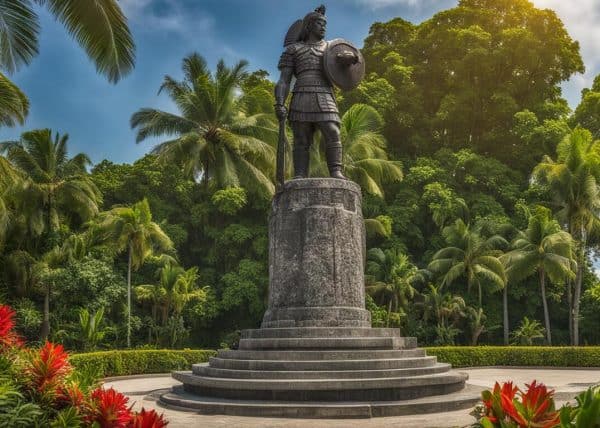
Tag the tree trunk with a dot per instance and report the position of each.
(387, 323)
(545, 304)
(45, 331)
(577, 298)
(570, 305)
(505, 313)
(129, 297)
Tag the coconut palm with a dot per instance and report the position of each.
(55, 187)
(446, 309)
(14, 105)
(470, 255)
(175, 288)
(214, 138)
(99, 27)
(364, 151)
(545, 249)
(132, 230)
(9, 177)
(573, 180)
(527, 332)
(390, 276)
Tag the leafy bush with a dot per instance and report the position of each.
(39, 387)
(141, 361)
(549, 356)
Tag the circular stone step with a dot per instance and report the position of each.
(392, 388)
(298, 355)
(324, 343)
(378, 364)
(463, 399)
(206, 370)
(263, 333)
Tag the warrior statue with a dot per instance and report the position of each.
(317, 65)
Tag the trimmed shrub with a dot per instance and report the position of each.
(132, 362)
(542, 356)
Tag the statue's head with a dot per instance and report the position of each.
(314, 23)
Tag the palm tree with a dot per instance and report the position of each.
(9, 177)
(176, 287)
(543, 248)
(390, 276)
(447, 309)
(214, 138)
(14, 105)
(55, 187)
(469, 255)
(30, 273)
(365, 157)
(527, 331)
(573, 181)
(132, 230)
(99, 27)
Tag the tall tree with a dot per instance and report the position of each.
(545, 249)
(573, 182)
(214, 137)
(55, 187)
(364, 157)
(133, 231)
(390, 277)
(469, 255)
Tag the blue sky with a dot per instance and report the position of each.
(68, 96)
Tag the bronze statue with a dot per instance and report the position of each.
(317, 65)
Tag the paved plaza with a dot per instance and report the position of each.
(144, 391)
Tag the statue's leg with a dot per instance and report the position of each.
(333, 148)
(303, 137)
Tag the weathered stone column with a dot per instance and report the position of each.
(316, 256)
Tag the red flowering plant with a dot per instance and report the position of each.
(107, 408)
(147, 419)
(8, 337)
(506, 406)
(46, 371)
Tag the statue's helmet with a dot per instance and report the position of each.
(319, 13)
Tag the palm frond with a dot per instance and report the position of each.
(100, 27)
(19, 28)
(14, 105)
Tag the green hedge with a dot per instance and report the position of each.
(131, 362)
(548, 356)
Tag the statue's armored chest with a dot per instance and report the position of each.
(309, 57)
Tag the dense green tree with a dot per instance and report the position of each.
(390, 277)
(470, 255)
(587, 113)
(133, 231)
(215, 139)
(446, 309)
(56, 188)
(573, 181)
(545, 249)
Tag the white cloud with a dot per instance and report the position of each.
(380, 4)
(581, 20)
(171, 17)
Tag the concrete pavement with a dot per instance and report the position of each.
(145, 390)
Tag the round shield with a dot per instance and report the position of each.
(344, 64)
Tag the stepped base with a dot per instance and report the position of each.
(180, 399)
(321, 372)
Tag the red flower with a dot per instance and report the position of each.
(8, 337)
(47, 369)
(538, 405)
(147, 419)
(71, 396)
(109, 409)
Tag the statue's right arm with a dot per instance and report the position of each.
(282, 90)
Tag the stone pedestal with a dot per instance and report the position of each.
(316, 256)
(315, 354)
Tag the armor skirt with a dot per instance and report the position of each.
(313, 107)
